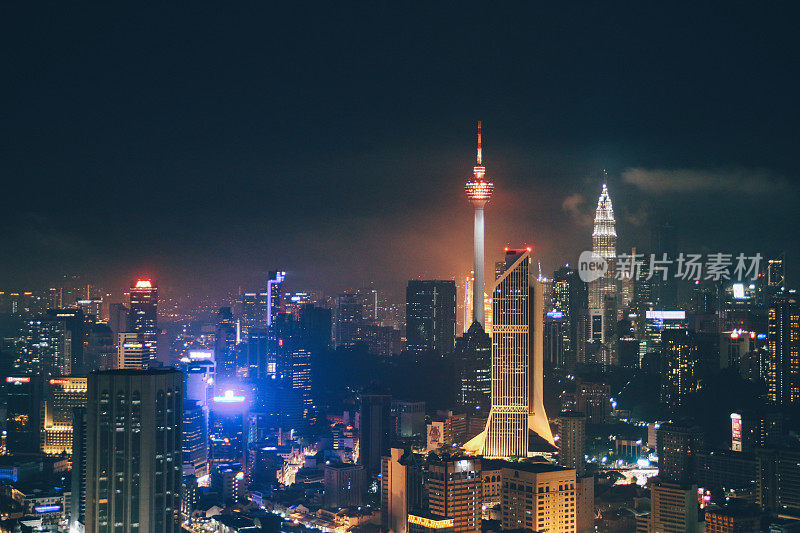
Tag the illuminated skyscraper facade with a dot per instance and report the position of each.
(63, 396)
(604, 244)
(479, 191)
(517, 374)
(783, 341)
(144, 313)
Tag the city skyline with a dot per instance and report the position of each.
(251, 283)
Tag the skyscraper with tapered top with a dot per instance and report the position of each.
(517, 410)
(604, 244)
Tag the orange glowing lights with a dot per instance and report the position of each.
(479, 190)
(144, 284)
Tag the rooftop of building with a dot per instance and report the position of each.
(136, 372)
(571, 414)
(342, 466)
(426, 514)
(535, 468)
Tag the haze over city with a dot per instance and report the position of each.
(204, 147)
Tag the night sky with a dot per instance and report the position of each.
(206, 145)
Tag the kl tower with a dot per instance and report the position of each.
(479, 191)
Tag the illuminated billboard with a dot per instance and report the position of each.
(229, 397)
(736, 432)
(666, 315)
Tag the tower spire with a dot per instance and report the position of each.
(480, 146)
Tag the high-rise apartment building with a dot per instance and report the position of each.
(133, 451)
(673, 508)
(680, 366)
(572, 445)
(538, 497)
(677, 446)
(431, 316)
(783, 341)
(455, 490)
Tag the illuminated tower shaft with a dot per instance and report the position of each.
(479, 191)
(479, 285)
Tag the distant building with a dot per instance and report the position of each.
(594, 400)
(23, 418)
(195, 437)
(409, 418)
(431, 316)
(144, 313)
(732, 518)
(680, 366)
(604, 245)
(63, 396)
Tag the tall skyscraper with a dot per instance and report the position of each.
(195, 437)
(274, 296)
(783, 342)
(516, 397)
(431, 315)
(604, 244)
(133, 451)
(479, 191)
(144, 313)
(375, 431)
(680, 366)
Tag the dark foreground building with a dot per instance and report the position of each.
(133, 451)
